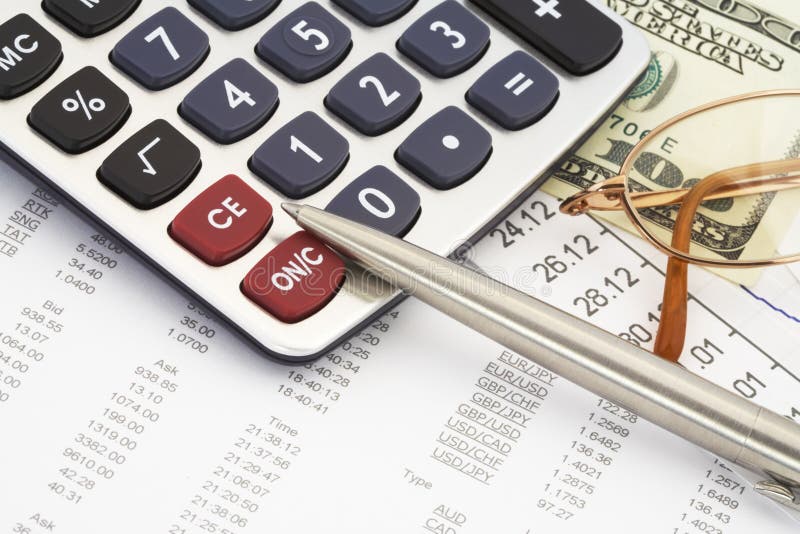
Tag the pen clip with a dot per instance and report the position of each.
(779, 493)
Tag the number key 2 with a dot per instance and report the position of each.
(376, 96)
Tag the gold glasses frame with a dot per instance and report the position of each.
(614, 195)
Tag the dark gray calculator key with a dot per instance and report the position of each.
(302, 157)
(380, 199)
(376, 12)
(81, 112)
(446, 41)
(308, 43)
(235, 14)
(88, 18)
(446, 150)
(28, 55)
(573, 33)
(162, 50)
(151, 167)
(376, 96)
(516, 92)
(233, 102)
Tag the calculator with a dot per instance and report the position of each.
(182, 125)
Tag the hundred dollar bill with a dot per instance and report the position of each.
(702, 50)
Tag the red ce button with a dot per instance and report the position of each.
(223, 222)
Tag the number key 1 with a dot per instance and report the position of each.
(302, 157)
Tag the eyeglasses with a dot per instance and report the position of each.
(717, 186)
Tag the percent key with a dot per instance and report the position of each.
(81, 112)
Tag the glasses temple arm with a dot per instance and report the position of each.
(672, 325)
(607, 195)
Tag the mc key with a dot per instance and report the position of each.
(28, 55)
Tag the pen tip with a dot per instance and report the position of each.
(292, 209)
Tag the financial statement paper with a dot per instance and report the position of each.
(127, 408)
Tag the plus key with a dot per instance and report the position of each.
(573, 33)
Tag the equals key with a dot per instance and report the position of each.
(573, 33)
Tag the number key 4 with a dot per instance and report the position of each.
(233, 102)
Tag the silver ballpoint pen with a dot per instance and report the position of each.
(662, 392)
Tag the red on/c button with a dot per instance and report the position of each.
(223, 222)
(296, 279)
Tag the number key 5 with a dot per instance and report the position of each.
(307, 44)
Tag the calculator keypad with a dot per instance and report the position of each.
(516, 92)
(235, 14)
(302, 157)
(272, 85)
(30, 54)
(380, 199)
(231, 103)
(306, 44)
(88, 18)
(446, 150)
(81, 112)
(223, 222)
(296, 279)
(376, 96)
(161, 51)
(151, 167)
(446, 41)
(376, 12)
(574, 33)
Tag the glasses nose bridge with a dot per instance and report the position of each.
(603, 196)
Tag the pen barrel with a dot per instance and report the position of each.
(659, 391)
